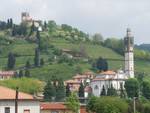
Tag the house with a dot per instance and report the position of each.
(26, 103)
(107, 79)
(6, 75)
(73, 84)
(84, 78)
(58, 107)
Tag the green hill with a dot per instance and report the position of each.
(53, 41)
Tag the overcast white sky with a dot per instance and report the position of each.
(108, 17)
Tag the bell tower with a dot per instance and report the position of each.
(129, 55)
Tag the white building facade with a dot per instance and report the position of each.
(106, 79)
(26, 103)
(24, 106)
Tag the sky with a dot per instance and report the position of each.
(108, 17)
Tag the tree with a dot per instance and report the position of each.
(45, 25)
(146, 89)
(32, 29)
(81, 90)
(28, 65)
(97, 38)
(132, 87)
(83, 52)
(20, 73)
(37, 57)
(52, 26)
(107, 105)
(11, 61)
(8, 23)
(122, 92)
(111, 91)
(49, 91)
(11, 23)
(60, 92)
(103, 92)
(91, 104)
(41, 61)
(27, 73)
(68, 92)
(73, 103)
(101, 64)
(38, 39)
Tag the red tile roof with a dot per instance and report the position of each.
(9, 94)
(53, 106)
(72, 82)
(109, 72)
(7, 73)
(79, 76)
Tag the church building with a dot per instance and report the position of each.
(116, 78)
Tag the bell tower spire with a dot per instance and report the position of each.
(129, 55)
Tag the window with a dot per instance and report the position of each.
(7, 109)
(96, 87)
(26, 111)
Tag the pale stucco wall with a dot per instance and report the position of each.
(33, 106)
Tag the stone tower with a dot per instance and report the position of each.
(129, 55)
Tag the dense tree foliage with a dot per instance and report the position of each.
(111, 91)
(107, 105)
(60, 91)
(27, 73)
(146, 89)
(132, 87)
(101, 64)
(20, 74)
(37, 57)
(97, 38)
(11, 61)
(72, 103)
(81, 90)
(49, 91)
(68, 92)
(103, 92)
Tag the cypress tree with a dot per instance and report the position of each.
(37, 57)
(38, 39)
(81, 90)
(101, 64)
(27, 73)
(41, 61)
(122, 92)
(111, 91)
(11, 61)
(68, 92)
(49, 91)
(60, 92)
(11, 23)
(28, 65)
(103, 92)
(45, 25)
(32, 29)
(8, 23)
(20, 73)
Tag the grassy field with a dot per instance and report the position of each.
(27, 85)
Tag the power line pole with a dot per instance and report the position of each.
(16, 100)
(134, 106)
